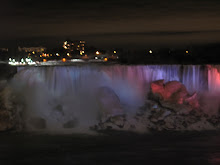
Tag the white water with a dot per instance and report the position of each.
(69, 93)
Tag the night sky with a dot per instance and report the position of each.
(114, 23)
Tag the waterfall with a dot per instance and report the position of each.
(64, 95)
(214, 78)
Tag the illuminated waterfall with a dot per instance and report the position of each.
(68, 94)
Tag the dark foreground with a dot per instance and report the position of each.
(115, 149)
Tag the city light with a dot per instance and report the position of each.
(187, 51)
(31, 63)
(65, 45)
(27, 61)
(74, 49)
(150, 51)
(76, 60)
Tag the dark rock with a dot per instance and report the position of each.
(109, 127)
(191, 119)
(71, 124)
(7, 71)
(37, 122)
(214, 120)
(7, 121)
(9, 116)
(59, 110)
(185, 124)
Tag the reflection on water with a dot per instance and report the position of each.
(115, 148)
(215, 159)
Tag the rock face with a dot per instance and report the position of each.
(37, 123)
(7, 71)
(109, 103)
(169, 107)
(9, 112)
(174, 95)
(70, 124)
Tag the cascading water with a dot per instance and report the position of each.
(214, 79)
(67, 97)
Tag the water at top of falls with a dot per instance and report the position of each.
(193, 77)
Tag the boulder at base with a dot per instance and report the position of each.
(7, 71)
(109, 103)
(174, 95)
(9, 118)
(8, 114)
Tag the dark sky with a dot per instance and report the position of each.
(113, 23)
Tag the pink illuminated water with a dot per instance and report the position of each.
(214, 79)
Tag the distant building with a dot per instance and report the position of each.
(4, 54)
(32, 49)
(33, 52)
(75, 47)
(3, 49)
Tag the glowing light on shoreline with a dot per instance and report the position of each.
(27, 61)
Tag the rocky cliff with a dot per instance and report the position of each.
(168, 107)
